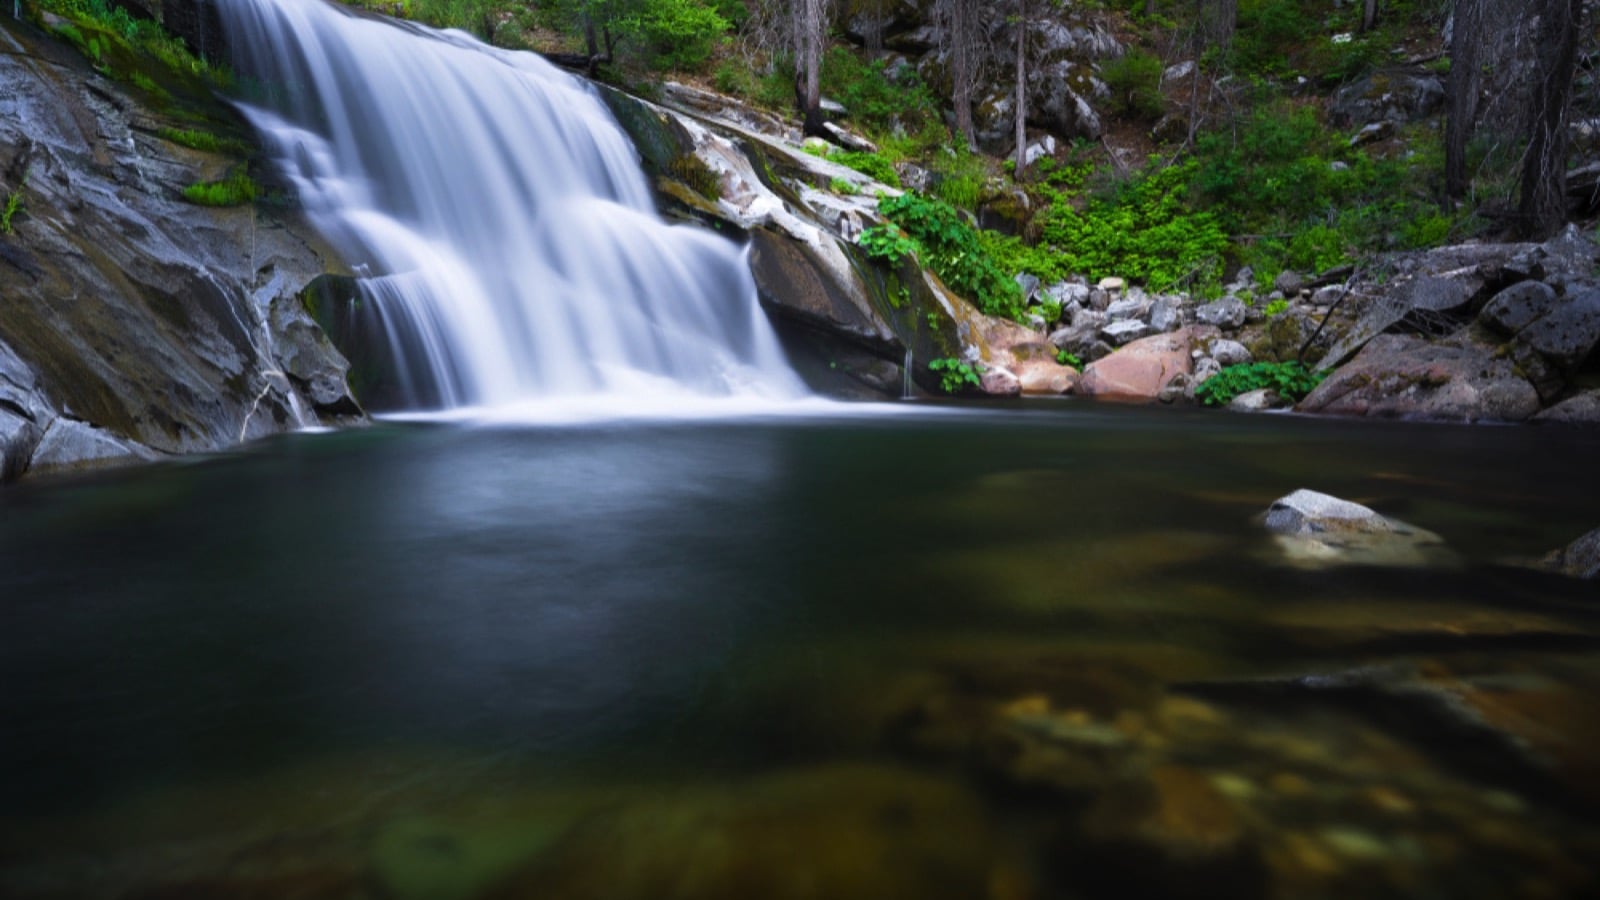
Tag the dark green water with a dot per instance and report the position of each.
(1007, 653)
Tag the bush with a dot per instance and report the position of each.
(676, 34)
(870, 164)
(952, 248)
(1135, 83)
(873, 97)
(955, 374)
(1290, 379)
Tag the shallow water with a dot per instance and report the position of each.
(1029, 651)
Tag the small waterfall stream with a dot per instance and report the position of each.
(511, 243)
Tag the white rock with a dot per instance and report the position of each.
(1112, 283)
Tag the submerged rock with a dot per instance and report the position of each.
(1313, 530)
(1579, 559)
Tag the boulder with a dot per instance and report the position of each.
(1289, 282)
(1518, 306)
(1579, 559)
(1038, 376)
(1259, 400)
(69, 445)
(1407, 377)
(1396, 96)
(1582, 409)
(1000, 382)
(1228, 313)
(1121, 332)
(1127, 308)
(1229, 353)
(1141, 369)
(1166, 314)
(1313, 530)
(1567, 334)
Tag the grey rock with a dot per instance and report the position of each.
(1067, 293)
(1204, 368)
(1389, 96)
(1228, 313)
(1579, 559)
(1130, 308)
(1327, 295)
(1572, 253)
(1029, 285)
(1087, 316)
(1582, 409)
(19, 438)
(1166, 315)
(1178, 389)
(1097, 351)
(1289, 282)
(1099, 298)
(1567, 334)
(69, 444)
(1316, 530)
(1407, 377)
(1258, 400)
(1124, 330)
(1229, 353)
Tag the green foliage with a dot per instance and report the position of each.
(958, 178)
(843, 186)
(204, 141)
(887, 242)
(110, 37)
(1291, 380)
(870, 164)
(675, 34)
(1013, 254)
(1135, 83)
(1050, 311)
(13, 204)
(1146, 230)
(1276, 308)
(955, 375)
(952, 248)
(1069, 359)
(1266, 31)
(875, 99)
(235, 190)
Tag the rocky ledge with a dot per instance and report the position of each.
(133, 324)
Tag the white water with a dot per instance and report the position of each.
(512, 246)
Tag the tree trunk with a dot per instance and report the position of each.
(1369, 15)
(1221, 18)
(961, 23)
(1467, 38)
(1543, 207)
(808, 75)
(1021, 111)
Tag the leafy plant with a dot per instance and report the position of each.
(951, 247)
(235, 190)
(870, 164)
(1069, 359)
(13, 204)
(1291, 380)
(888, 242)
(956, 375)
(1134, 80)
(843, 186)
(1276, 308)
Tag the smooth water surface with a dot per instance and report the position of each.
(939, 654)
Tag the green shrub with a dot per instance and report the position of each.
(951, 247)
(1135, 83)
(869, 164)
(1146, 231)
(13, 204)
(875, 99)
(843, 186)
(1069, 359)
(955, 374)
(1291, 380)
(677, 34)
(888, 242)
(235, 190)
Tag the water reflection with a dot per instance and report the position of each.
(954, 655)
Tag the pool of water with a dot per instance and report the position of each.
(1041, 651)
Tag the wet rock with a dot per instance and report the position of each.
(1228, 313)
(1259, 400)
(1000, 382)
(1313, 530)
(1581, 409)
(70, 445)
(1579, 559)
(1401, 376)
(1141, 369)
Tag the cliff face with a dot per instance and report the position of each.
(134, 324)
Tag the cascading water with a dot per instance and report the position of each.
(511, 244)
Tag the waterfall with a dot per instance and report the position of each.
(507, 235)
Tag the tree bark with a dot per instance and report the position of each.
(1369, 15)
(1543, 207)
(960, 21)
(1466, 43)
(808, 75)
(1021, 111)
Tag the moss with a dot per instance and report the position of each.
(693, 171)
(237, 189)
